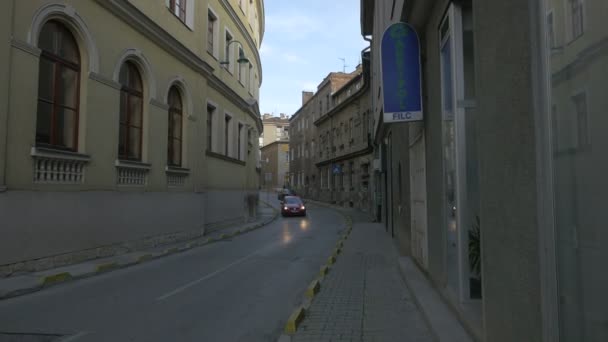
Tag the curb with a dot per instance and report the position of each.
(298, 315)
(313, 289)
(294, 320)
(143, 258)
(108, 266)
(324, 270)
(55, 278)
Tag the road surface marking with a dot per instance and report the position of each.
(74, 337)
(210, 275)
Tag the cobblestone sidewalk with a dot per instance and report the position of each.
(363, 297)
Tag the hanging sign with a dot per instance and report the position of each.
(401, 76)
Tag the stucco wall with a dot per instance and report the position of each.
(510, 259)
(42, 224)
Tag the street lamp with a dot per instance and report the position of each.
(241, 60)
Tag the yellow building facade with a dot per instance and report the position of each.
(125, 121)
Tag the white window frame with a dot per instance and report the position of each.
(569, 22)
(241, 73)
(210, 103)
(581, 92)
(241, 146)
(216, 30)
(190, 10)
(250, 79)
(229, 50)
(228, 136)
(454, 15)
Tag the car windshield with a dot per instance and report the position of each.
(292, 200)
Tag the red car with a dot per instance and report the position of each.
(292, 206)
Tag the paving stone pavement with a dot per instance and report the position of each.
(363, 297)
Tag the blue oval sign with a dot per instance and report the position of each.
(401, 82)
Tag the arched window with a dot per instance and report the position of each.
(58, 88)
(174, 146)
(131, 112)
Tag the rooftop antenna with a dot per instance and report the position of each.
(343, 64)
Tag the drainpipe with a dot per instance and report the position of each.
(4, 151)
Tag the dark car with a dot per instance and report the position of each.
(293, 206)
(285, 192)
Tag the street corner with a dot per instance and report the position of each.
(55, 278)
(294, 320)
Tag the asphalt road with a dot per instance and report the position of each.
(241, 289)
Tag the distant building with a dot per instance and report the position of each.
(330, 150)
(343, 152)
(275, 166)
(275, 129)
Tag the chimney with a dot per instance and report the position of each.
(283, 116)
(266, 116)
(306, 96)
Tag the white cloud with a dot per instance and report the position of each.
(266, 50)
(291, 58)
(292, 26)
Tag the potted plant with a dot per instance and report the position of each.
(475, 259)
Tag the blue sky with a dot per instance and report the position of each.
(303, 42)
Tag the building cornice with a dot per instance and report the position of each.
(140, 22)
(342, 104)
(358, 153)
(26, 47)
(146, 26)
(276, 142)
(583, 59)
(104, 80)
(250, 108)
(225, 158)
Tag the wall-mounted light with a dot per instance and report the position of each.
(241, 60)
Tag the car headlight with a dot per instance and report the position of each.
(284, 208)
(303, 207)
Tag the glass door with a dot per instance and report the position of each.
(461, 197)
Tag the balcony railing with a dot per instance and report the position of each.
(58, 167)
(131, 173)
(176, 176)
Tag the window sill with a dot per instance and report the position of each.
(131, 164)
(225, 158)
(180, 19)
(52, 166)
(45, 152)
(212, 54)
(176, 176)
(177, 170)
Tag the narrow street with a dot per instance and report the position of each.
(242, 289)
